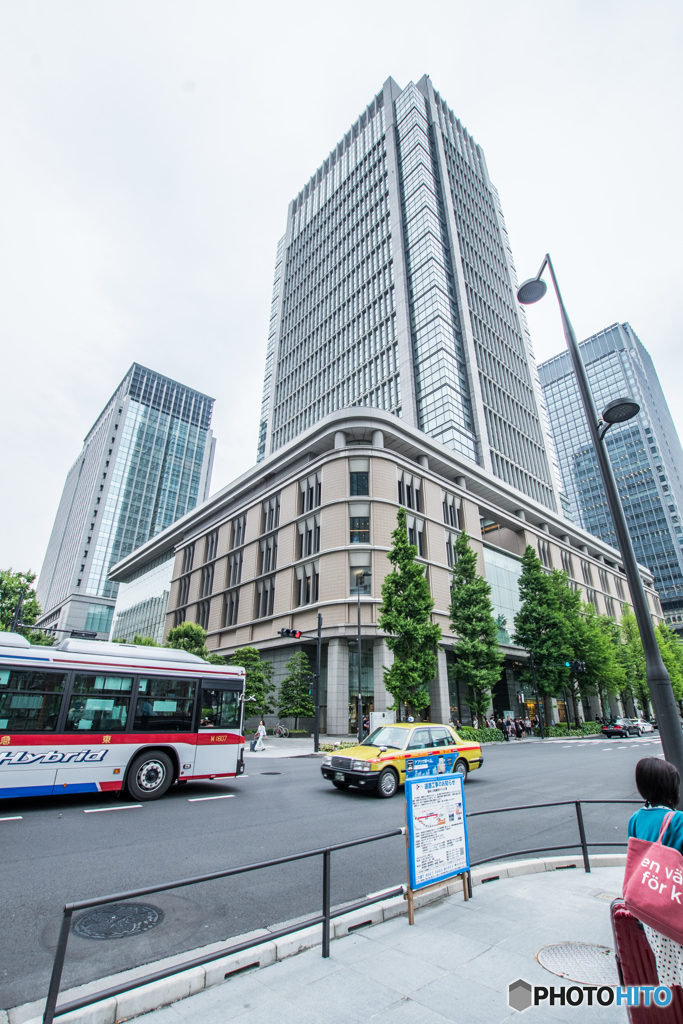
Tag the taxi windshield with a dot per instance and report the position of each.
(387, 736)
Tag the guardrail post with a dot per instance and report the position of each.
(57, 967)
(327, 857)
(582, 836)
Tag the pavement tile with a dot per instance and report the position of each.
(345, 997)
(498, 968)
(287, 977)
(441, 947)
(407, 1011)
(398, 971)
(463, 1001)
(225, 1002)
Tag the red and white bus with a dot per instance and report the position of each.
(89, 717)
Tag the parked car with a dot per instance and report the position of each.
(621, 727)
(643, 726)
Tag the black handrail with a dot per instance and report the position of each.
(52, 1010)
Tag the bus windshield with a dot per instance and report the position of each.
(387, 736)
(220, 708)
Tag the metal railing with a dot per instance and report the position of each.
(327, 915)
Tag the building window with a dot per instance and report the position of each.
(609, 606)
(567, 564)
(268, 555)
(207, 580)
(99, 618)
(619, 583)
(239, 529)
(604, 580)
(450, 549)
(359, 561)
(409, 491)
(592, 598)
(307, 583)
(179, 617)
(203, 609)
(188, 557)
(183, 591)
(232, 607)
(309, 537)
(270, 517)
(211, 546)
(359, 477)
(235, 569)
(586, 572)
(452, 510)
(360, 530)
(265, 598)
(544, 553)
(310, 493)
(416, 534)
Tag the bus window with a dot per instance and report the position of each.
(30, 701)
(220, 708)
(164, 705)
(99, 703)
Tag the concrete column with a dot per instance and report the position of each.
(438, 692)
(382, 658)
(339, 439)
(337, 688)
(378, 439)
(423, 461)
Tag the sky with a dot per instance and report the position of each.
(151, 147)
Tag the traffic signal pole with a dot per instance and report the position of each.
(296, 634)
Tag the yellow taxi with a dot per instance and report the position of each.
(379, 762)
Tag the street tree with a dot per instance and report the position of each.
(598, 646)
(16, 586)
(478, 657)
(672, 656)
(191, 637)
(258, 684)
(632, 659)
(406, 617)
(294, 696)
(542, 629)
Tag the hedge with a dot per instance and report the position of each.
(466, 732)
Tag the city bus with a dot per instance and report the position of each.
(90, 717)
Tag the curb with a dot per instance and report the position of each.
(186, 983)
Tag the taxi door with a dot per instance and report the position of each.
(419, 743)
(219, 733)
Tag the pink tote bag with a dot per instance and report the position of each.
(653, 884)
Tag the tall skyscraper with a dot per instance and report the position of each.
(145, 462)
(395, 288)
(645, 453)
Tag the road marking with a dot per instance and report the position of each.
(15, 817)
(198, 799)
(99, 810)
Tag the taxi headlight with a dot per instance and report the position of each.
(327, 760)
(361, 766)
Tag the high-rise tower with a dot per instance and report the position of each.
(645, 453)
(395, 288)
(144, 464)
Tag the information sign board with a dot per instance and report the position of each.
(436, 823)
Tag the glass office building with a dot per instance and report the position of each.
(144, 464)
(395, 288)
(645, 453)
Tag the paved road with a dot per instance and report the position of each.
(58, 853)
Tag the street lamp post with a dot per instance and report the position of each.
(618, 411)
(360, 577)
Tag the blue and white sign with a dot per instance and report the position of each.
(436, 822)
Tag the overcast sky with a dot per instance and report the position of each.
(150, 149)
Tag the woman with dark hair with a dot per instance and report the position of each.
(659, 784)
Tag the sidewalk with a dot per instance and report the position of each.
(453, 965)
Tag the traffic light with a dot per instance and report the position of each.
(576, 666)
(296, 633)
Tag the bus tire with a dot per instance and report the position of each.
(150, 775)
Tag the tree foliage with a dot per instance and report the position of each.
(257, 682)
(478, 657)
(294, 697)
(14, 585)
(191, 637)
(406, 618)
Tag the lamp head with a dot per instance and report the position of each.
(620, 410)
(531, 291)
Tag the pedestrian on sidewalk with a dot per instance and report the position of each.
(260, 736)
(519, 728)
(527, 725)
(659, 783)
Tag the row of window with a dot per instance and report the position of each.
(586, 570)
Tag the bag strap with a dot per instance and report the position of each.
(665, 824)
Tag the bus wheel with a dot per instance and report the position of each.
(149, 775)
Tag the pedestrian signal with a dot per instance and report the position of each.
(296, 633)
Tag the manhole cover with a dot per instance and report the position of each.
(118, 921)
(580, 961)
(271, 773)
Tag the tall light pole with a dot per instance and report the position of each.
(360, 578)
(618, 411)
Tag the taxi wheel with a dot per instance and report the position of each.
(340, 785)
(387, 784)
(462, 766)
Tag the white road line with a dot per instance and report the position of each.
(198, 799)
(99, 810)
(15, 817)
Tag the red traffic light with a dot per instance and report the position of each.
(296, 633)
